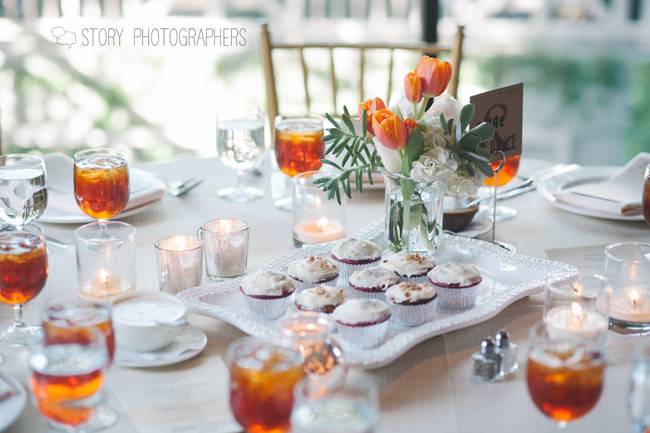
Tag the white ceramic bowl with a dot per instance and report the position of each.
(147, 321)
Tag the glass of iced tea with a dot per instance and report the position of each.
(299, 148)
(101, 182)
(70, 322)
(66, 381)
(645, 201)
(262, 381)
(565, 374)
(23, 272)
(505, 168)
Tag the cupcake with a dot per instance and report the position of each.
(321, 298)
(372, 282)
(312, 271)
(411, 303)
(410, 266)
(457, 284)
(352, 254)
(362, 323)
(267, 293)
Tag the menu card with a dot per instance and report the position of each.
(192, 400)
(503, 109)
(588, 258)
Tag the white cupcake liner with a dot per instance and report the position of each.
(346, 270)
(268, 309)
(457, 298)
(362, 337)
(411, 315)
(302, 285)
(362, 294)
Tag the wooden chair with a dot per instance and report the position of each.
(268, 46)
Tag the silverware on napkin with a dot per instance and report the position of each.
(180, 188)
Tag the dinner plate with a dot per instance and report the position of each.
(507, 277)
(12, 407)
(552, 181)
(189, 343)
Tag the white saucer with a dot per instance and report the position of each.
(12, 407)
(480, 225)
(188, 344)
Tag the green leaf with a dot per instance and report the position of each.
(364, 123)
(466, 115)
(483, 130)
(443, 123)
(450, 126)
(412, 151)
(330, 163)
(469, 141)
(481, 162)
(332, 121)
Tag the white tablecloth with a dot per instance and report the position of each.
(427, 390)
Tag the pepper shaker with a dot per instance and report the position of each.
(508, 351)
(486, 364)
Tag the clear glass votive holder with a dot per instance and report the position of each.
(180, 262)
(226, 247)
(627, 266)
(316, 219)
(105, 259)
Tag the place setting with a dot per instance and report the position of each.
(386, 255)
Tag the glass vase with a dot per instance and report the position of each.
(413, 213)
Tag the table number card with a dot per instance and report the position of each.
(503, 109)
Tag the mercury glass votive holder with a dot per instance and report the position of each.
(180, 262)
(226, 247)
(105, 259)
(316, 219)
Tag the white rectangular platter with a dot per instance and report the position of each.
(507, 277)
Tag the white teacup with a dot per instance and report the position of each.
(146, 321)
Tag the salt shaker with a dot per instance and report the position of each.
(508, 351)
(486, 362)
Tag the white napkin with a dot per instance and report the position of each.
(618, 195)
(61, 204)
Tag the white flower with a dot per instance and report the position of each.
(446, 104)
(390, 158)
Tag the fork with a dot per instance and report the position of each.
(180, 188)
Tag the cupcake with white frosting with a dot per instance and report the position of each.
(267, 293)
(411, 303)
(372, 282)
(323, 299)
(352, 254)
(312, 271)
(410, 266)
(457, 284)
(362, 323)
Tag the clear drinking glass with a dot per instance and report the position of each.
(315, 218)
(627, 266)
(67, 379)
(180, 263)
(105, 259)
(71, 321)
(645, 199)
(299, 148)
(262, 381)
(638, 400)
(23, 272)
(240, 145)
(101, 182)
(23, 190)
(565, 373)
(225, 247)
(350, 408)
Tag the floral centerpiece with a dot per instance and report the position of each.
(423, 146)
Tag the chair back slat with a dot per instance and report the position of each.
(333, 78)
(389, 90)
(305, 78)
(267, 47)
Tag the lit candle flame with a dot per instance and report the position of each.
(635, 296)
(322, 223)
(577, 287)
(576, 310)
(103, 276)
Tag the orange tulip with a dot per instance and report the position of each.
(371, 106)
(410, 125)
(413, 87)
(435, 75)
(389, 129)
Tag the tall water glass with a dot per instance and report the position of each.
(638, 400)
(23, 272)
(350, 408)
(240, 145)
(23, 190)
(66, 381)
